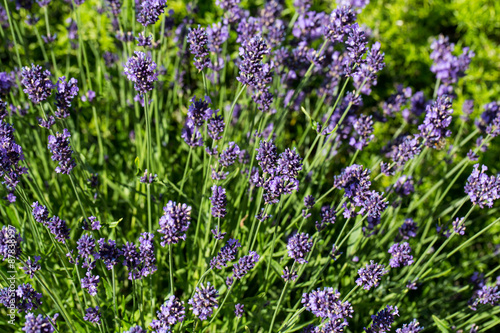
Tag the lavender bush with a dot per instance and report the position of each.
(245, 166)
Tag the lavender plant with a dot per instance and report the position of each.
(316, 186)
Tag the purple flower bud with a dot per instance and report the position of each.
(171, 312)
(299, 245)
(245, 264)
(289, 275)
(226, 254)
(219, 201)
(61, 150)
(93, 315)
(31, 266)
(174, 223)
(229, 155)
(39, 323)
(412, 327)
(36, 82)
(198, 41)
(481, 188)
(327, 303)
(204, 301)
(400, 255)
(141, 70)
(238, 310)
(383, 320)
(370, 275)
(150, 11)
(66, 91)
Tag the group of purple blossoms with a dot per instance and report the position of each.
(482, 189)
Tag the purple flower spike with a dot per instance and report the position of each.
(383, 320)
(151, 11)
(238, 310)
(412, 327)
(141, 70)
(61, 150)
(339, 24)
(219, 201)
(299, 245)
(198, 41)
(109, 253)
(204, 301)
(400, 255)
(93, 315)
(174, 223)
(226, 254)
(245, 264)
(32, 266)
(481, 188)
(326, 303)
(136, 329)
(229, 155)
(39, 324)
(370, 275)
(434, 129)
(267, 156)
(171, 312)
(289, 275)
(66, 91)
(199, 111)
(90, 282)
(36, 82)
(40, 213)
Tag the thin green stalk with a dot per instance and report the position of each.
(170, 269)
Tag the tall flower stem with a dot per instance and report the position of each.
(170, 269)
(78, 197)
(276, 311)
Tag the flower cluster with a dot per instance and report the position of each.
(226, 254)
(171, 312)
(481, 188)
(11, 154)
(198, 41)
(244, 265)
(254, 73)
(66, 91)
(299, 245)
(400, 255)
(174, 222)
(280, 173)
(434, 129)
(383, 320)
(355, 181)
(141, 70)
(447, 67)
(327, 303)
(40, 323)
(150, 11)
(370, 275)
(61, 150)
(36, 82)
(204, 301)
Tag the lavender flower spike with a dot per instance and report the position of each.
(36, 82)
(174, 222)
(151, 11)
(204, 301)
(400, 255)
(61, 151)
(370, 275)
(481, 188)
(298, 247)
(66, 91)
(141, 70)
